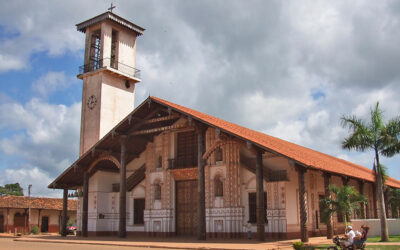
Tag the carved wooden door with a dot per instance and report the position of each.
(2, 226)
(186, 207)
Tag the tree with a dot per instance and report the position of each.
(394, 201)
(344, 201)
(11, 189)
(382, 139)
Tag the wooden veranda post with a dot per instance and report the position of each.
(260, 197)
(303, 203)
(7, 219)
(64, 213)
(327, 182)
(201, 209)
(122, 189)
(85, 204)
(38, 219)
(362, 206)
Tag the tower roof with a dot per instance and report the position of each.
(114, 18)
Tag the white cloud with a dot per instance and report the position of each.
(10, 62)
(44, 135)
(34, 176)
(50, 82)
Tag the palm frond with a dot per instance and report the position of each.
(391, 138)
(345, 200)
(384, 173)
(376, 118)
(360, 137)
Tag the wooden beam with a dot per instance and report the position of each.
(160, 119)
(157, 130)
(142, 120)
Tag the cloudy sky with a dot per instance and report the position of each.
(287, 68)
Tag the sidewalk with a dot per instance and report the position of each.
(172, 243)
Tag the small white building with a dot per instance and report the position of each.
(45, 213)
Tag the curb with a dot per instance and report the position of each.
(122, 245)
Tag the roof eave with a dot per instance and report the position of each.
(114, 18)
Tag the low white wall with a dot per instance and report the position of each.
(375, 226)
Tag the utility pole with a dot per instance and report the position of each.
(29, 207)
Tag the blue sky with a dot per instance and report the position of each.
(287, 69)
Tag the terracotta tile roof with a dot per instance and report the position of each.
(300, 154)
(11, 201)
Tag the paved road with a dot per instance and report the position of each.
(10, 244)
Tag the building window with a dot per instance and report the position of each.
(157, 192)
(218, 154)
(114, 52)
(159, 162)
(95, 46)
(321, 208)
(253, 207)
(186, 149)
(115, 187)
(219, 187)
(138, 211)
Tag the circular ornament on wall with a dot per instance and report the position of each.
(91, 102)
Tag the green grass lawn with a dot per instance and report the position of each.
(394, 238)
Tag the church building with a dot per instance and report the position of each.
(161, 169)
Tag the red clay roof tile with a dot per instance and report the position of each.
(306, 156)
(11, 201)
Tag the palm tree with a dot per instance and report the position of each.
(394, 201)
(382, 139)
(344, 201)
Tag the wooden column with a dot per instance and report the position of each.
(303, 203)
(25, 219)
(361, 191)
(327, 182)
(64, 213)
(122, 189)
(38, 219)
(7, 220)
(85, 204)
(201, 209)
(260, 197)
(375, 198)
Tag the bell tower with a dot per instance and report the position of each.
(109, 74)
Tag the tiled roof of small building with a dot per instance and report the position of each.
(300, 154)
(11, 201)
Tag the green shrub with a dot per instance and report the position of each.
(35, 230)
(298, 245)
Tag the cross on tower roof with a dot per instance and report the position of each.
(111, 7)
